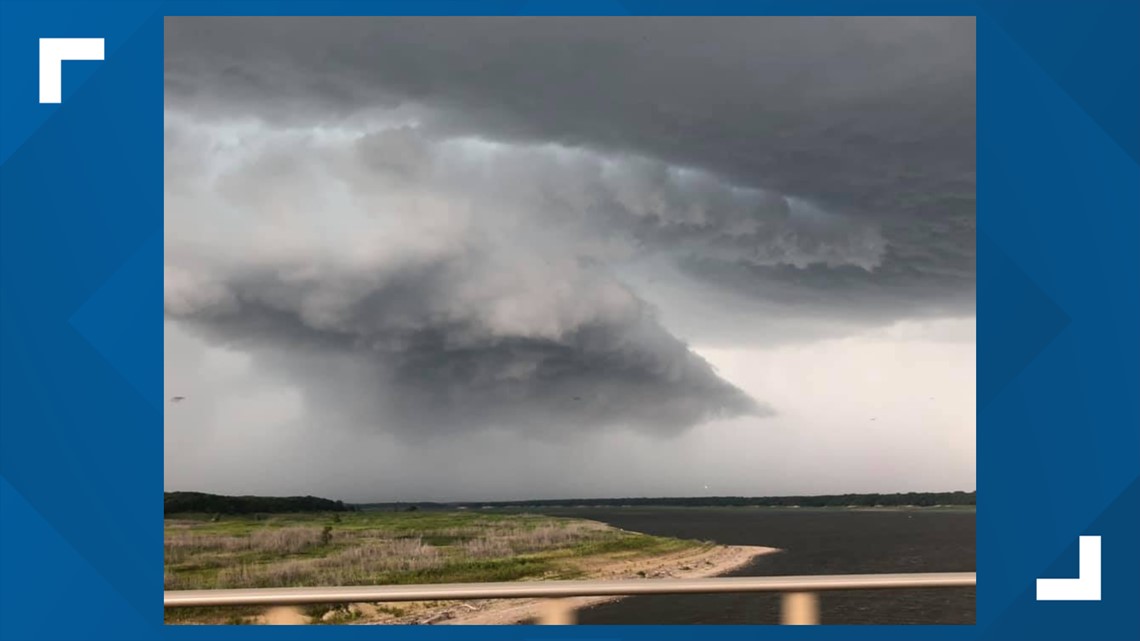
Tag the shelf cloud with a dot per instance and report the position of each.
(442, 226)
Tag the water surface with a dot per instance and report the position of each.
(815, 541)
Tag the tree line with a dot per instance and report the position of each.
(203, 503)
(200, 502)
(920, 499)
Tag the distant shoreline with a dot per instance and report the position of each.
(767, 507)
(870, 500)
(206, 504)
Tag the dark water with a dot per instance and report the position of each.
(815, 542)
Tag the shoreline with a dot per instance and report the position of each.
(715, 561)
(689, 564)
(699, 561)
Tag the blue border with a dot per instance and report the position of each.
(1058, 294)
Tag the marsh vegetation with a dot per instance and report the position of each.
(377, 548)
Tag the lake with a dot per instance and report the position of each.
(815, 541)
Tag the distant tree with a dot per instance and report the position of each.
(185, 502)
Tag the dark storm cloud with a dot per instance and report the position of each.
(931, 277)
(871, 118)
(398, 355)
(432, 224)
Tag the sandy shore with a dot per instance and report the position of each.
(694, 563)
(714, 561)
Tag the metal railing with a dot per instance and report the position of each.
(800, 600)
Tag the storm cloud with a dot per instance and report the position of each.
(446, 226)
(871, 118)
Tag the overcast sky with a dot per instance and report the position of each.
(444, 259)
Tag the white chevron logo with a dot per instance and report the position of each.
(53, 51)
(1086, 587)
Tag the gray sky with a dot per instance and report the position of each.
(415, 259)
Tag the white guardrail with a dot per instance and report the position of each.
(800, 598)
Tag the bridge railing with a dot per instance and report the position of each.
(800, 593)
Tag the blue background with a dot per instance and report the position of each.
(1058, 324)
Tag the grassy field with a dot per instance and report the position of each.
(376, 548)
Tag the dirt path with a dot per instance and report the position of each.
(283, 615)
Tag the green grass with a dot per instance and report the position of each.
(237, 615)
(632, 542)
(384, 548)
(472, 571)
